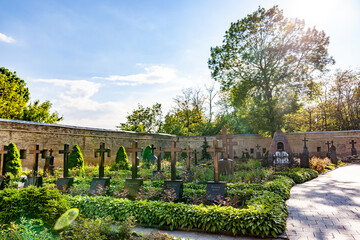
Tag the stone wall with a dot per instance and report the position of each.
(26, 134)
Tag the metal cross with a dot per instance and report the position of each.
(328, 145)
(215, 150)
(66, 152)
(134, 151)
(101, 151)
(36, 153)
(352, 143)
(173, 150)
(305, 140)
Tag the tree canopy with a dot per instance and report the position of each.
(266, 64)
(15, 101)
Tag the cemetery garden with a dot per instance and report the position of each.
(170, 188)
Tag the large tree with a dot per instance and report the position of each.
(267, 63)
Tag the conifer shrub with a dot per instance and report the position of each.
(204, 154)
(146, 153)
(13, 161)
(76, 158)
(121, 160)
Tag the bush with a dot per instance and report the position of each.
(76, 158)
(299, 175)
(32, 202)
(146, 153)
(121, 160)
(13, 161)
(319, 164)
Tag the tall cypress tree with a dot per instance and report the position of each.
(76, 158)
(13, 161)
(204, 154)
(121, 159)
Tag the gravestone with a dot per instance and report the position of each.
(280, 154)
(215, 189)
(258, 153)
(226, 166)
(65, 182)
(189, 173)
(226, 163)
(152, 159)
(134, 183)
(158, 152)
(3, 153)
(353, 149)
(328, 151)
(101, 181)
(49, 163)
(304, 156)
(333, 156)
(195, 158)
(34, 179)
(173, 183)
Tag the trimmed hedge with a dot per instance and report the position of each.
(32, 202)
(299, 175)
(264, 215)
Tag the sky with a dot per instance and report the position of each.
(96, 60)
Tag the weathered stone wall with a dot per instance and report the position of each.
(26, 134)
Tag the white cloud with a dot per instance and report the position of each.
(7, 39)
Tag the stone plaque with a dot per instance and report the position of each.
(214, 191)
(177, 185)
(133, 185)
(96, 182)
(64, 183)
(34, 181)
(226, 166)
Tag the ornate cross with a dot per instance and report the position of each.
(352, 143)
(188, 151)
(173, 150)
(51, 152)
(152, 149)
(66, 152)
(305, 140)
(3, 151)
(224, 138)
(134, 151)
(215, 150)
(36, 153)
(158, 152)
(101, 151)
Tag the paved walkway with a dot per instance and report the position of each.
(327, 207)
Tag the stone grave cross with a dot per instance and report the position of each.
(328, 145)
(223, 137)
(101, 151)
(66, 152)
(173, 150)
(231, 146)
(305, 140)
(188, 151)
(195, 157)
(134, 151)
(36, 153)
(258, 154)
(158, 152)
(3, 151)
(215, 150)
(353, 149)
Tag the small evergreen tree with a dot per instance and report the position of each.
(146, 153)
(121, 160)
(204, 154)
(13, 161)
(76, 158)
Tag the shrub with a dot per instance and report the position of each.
(205, 155)
(121, 160)
(146, 153)
(13, 161)
(319, 164)
(299, 175)
(76, 158)
(32, 202)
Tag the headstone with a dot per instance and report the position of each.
(353, 149)
(333, 156)
(189, 173)
(158, 152)
(258, 153)
(226, 166)
(280, 153)
(49, 163)
(34, 179)
(176, 185)
(215, 189)
(101, 181)
(65, 182)
(304, 156)
(134, 183)
(328, 146)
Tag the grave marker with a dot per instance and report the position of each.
(177, 185)
(134, 183)
(49, 163)
(333, 156)
(189, 173)
(195, 158)
(353, 149)
(304, 156)
(103, 182)
(152, 159)
(158, 152)
(215, 189)
(258, 154)
(35, 180)
(65, 182)
(231, 146)
(3, 153)
(328, 151)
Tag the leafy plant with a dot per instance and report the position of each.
(76, 158)
(121, 160)
(13, 161)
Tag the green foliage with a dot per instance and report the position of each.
(144, 119)
(204, 154)
(121, 160)
(266, 64)
(299, 175)
(76, 158)
(32, 202)
(146, 153)
(14, 101)
(13, 161)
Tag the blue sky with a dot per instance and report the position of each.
(96, 60)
